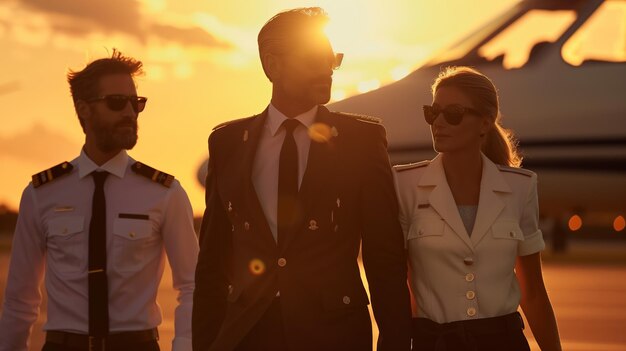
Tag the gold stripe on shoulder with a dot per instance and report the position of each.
(517, 170)
(359, 117)
(51, 174)
(153, 174)
(406, 167)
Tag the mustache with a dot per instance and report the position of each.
(127, 123)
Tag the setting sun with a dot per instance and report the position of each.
(202, 68)
(298, 213)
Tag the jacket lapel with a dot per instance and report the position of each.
(492, 188)
(441, 199)
(250, 139)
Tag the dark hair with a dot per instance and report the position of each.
(500, 144)
(279, 31)
(84, 84)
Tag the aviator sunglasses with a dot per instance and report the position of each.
(453, 114)
(314, 60)
(117, 102)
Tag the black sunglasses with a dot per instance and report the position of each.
(313, 60)
(117, 102)
(452, 113)
(337, 61)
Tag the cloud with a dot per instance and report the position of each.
(188, 36)
(38, 144)
(107, 15)
(82, 18)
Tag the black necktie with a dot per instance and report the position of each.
(287, 181)
(98, 285)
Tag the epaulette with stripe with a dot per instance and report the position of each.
(153, 174)
(224, 124)
(51, 174)
(517, 170)
(361, 117)
(400, 168)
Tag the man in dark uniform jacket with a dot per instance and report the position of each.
(291, 195)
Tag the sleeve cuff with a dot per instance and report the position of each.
(532, 243)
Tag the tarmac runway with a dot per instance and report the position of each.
(589, 301)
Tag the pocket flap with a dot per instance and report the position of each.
(507, 230)
(66, 225)
(424, 226)
(132, 229)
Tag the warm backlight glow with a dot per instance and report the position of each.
(516, 42)
(200, 59)
(369, 85)
(575, 223)
(400, 72)
(338, 94)
(602, 37)
(619, 223)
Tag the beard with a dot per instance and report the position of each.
(122, 135)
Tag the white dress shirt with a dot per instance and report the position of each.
(145, 220)
(456, 276)
(267, 159)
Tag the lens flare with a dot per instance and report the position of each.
(575, 223)
(619, 223)
(257, 267)
(320, 132)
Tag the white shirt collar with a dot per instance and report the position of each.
(116, 165)
(275, 118)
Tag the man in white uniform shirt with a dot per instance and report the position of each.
(99, 227)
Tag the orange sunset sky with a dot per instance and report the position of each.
(201, 64)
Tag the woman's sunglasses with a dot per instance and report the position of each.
(452, 113)
(117, 102)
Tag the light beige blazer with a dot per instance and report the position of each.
(456, 276)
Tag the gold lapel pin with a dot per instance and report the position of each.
(313, 225)
(245, 135)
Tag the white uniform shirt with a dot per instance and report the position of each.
(267, 159)
(52, 235)
(456, 276)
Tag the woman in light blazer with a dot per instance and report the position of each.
(470, 221)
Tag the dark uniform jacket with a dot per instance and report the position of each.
(346, 198)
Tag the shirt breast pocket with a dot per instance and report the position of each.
(426, 226)
(67, 245)
(133, 240)
(509, 230)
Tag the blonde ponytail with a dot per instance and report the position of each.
(500, 146)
